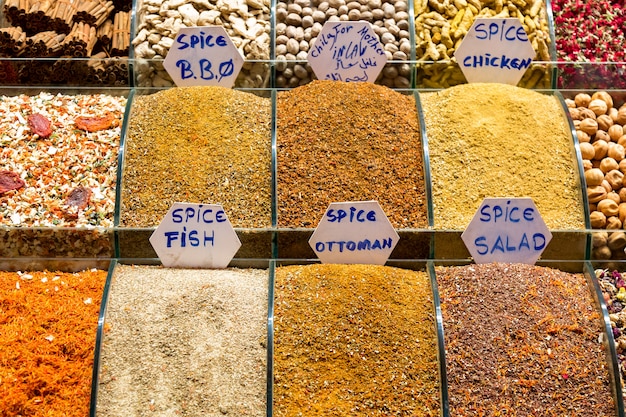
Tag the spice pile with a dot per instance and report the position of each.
(441, 25)
(487, 140)
(590, 31)
(522, 340)
(184, 342)
(354, 340)
(339, 141)
(614, 291)
(48, 323)
(198, 145)
(600, 126)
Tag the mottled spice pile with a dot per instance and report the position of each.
(339, 141)
(48, 324)
(354, 340)
(497, 140)
(199, 145)
(522, 340)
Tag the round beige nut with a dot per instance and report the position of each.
(601, 148)
(614, 196)
(586, 113)
(608, 207)
(597, 220)
(582, 99)
(594, 177)
(616, 240)
(587, 151)
(608, 164)
(602, 253)
(596, 193)
(599, 239)
(621, 212)
(615, 132)
(583, 137)
(613, 223)
(604, 96)
(616, 151)
(599, 107)
(604, 122)
(589, 126)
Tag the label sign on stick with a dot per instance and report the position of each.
(347, 51)
(203, 55)
(495, 50)
(195, 236)
(506, 230)
(354, 233)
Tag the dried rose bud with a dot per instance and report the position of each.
(10, 180)
(40, 125)
(79, 197)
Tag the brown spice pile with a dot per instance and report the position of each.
(198, 145)
(522, 340)
(354, 340)
(496, 140)
(339, 141)
(48, 323)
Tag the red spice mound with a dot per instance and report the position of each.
(48, 323)
(10, 180)
(40, 125)
(95, 123)
(79, 197)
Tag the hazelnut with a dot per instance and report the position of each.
(597, 220)
(622, 194)
(616, 240)
(614, 196)
(587, 165)
(587, 151)
(621, 116)
(607, 187)
(594, 177)
(608, 207)
(604, 96)
(599, 239)
(613, 112)
(615, 132)
(583, 137)
(604, 122)
(599, 107)
(582, 99)
(621, 212)
(608, 164)
(601, 148)
(615, 178)
(616, 151)
(596, 194)
(589, 126)
(586, 113)
(622, 140)
(601, 135)
(613, 223)
(622, 166)
(570, 103)
(574, 113)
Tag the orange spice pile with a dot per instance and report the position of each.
(48, 323)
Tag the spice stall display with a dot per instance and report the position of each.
(523, 340)
(58, 173)
(354, 340)
(600, 122)
(70, 43)
(339, 141)
(589, 39)
(48, 323)
(299, 22)
(204, 145)
(247, 23)
(496, 140)
(184, 342)
(440, 26)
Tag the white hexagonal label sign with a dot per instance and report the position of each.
(347, 51)
(203, 55)
(195, 236)
(495, 50)
(507, 230)
(354, 233)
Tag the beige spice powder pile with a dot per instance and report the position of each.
(496, 140)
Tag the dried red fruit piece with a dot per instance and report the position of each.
(10, 180)
(79, 197)
(95, 123)
(40, 125)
